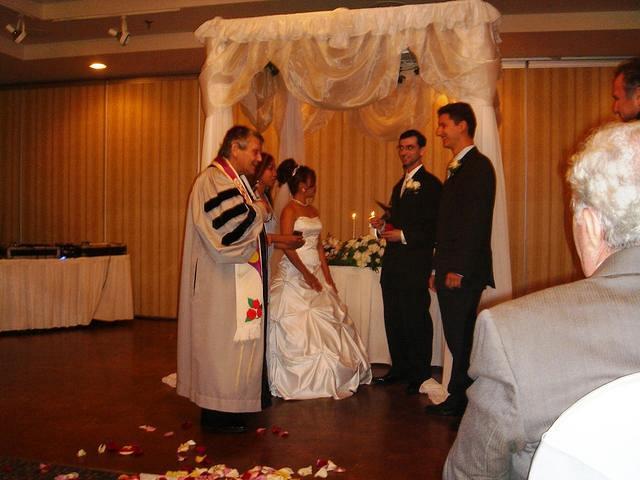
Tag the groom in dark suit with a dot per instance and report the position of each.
(462, 260)
(406, 265)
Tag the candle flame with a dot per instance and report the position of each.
(353, 216)
(372, 214)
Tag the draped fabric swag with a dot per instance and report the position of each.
(295, 70)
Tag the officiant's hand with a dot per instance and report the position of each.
(393, 235)
(313, 282)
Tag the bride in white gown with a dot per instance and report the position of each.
(313, 348)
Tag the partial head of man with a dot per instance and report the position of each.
(626, 90)
(411, 147)
(242, 146)
(604, 177)
(456, 126)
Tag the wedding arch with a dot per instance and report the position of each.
(291, 70)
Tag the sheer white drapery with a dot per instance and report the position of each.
(349, 60)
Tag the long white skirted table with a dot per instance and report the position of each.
(360, 289)
(48, 293)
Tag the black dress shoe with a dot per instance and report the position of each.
(413, 388)
(226, 428)
(448, 408)
(388, 379)
(222, 422)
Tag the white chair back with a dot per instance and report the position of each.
(596, 438)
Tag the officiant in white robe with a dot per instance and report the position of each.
(221, 310)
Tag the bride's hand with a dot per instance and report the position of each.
(313, 282)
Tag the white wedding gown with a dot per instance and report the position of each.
(313, 347)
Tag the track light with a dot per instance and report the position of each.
(19, 31)
(123, 34)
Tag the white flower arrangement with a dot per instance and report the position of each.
(363, 252)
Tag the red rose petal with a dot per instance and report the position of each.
(112, 447)
(201, 449)
(283, 434)
(275, 430)
(321, 462)
(261, 430)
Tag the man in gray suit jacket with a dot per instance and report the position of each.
(535, 356)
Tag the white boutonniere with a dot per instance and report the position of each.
(412, 185)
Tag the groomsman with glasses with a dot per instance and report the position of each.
(409, 229)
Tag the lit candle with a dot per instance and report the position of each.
(372, 231)
(353, 225)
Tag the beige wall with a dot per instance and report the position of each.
(114, 162)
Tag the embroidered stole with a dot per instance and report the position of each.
(248, 276)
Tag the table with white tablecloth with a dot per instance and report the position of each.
(360, 289)
(52, 292)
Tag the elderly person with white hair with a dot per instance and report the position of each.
(535, 356)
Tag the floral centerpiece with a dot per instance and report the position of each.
(363, 252)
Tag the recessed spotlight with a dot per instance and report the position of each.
(98, 66)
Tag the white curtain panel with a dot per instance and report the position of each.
(349, 60)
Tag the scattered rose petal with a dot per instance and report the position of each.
(68, 476)
(147, 428)
(284, 472)
(321, 462)
(275, 430)
(102, 448)
(44, 468)
(322, 473)
(177, 474)
(340, 470)
(130, 450)
(198, 472)
(283, 434)
(261, 430)
(112, 447)
(81, 453)
(186, 446)
(168, 434)
(306, 471)
(201, 449)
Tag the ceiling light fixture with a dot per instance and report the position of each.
(123, 34)
(18, 31)
(98, 66)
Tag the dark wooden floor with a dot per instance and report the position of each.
(68, 389)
